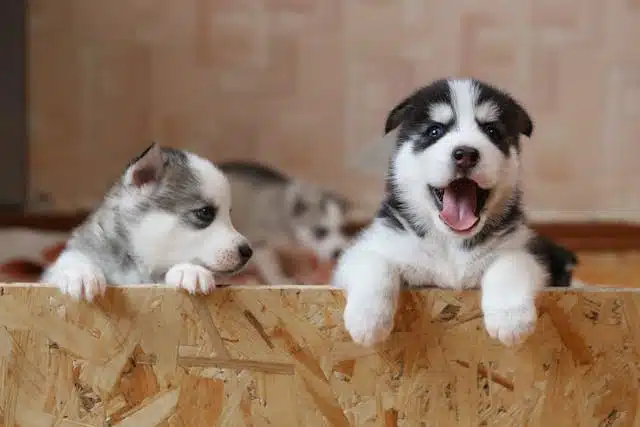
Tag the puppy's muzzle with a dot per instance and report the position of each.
(465, 158)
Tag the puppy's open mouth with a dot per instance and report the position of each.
(460, 203)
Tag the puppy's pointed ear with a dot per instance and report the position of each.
(397, 115)
(146, 169)
(524, 122)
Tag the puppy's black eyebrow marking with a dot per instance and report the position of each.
(423, 141)
(496, 123)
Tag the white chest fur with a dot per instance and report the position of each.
(438, 260)
(443, 264)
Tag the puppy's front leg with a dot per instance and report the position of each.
(509, 288)
(75, 274)
(372, 288)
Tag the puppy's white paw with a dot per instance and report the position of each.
(372, 286)
(511, 325)
(193, 278)
(83, 281)
(369, 321)
(508, 296)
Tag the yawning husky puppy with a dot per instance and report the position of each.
(166, 220)
(452, 215)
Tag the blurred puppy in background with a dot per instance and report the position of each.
(274, 210)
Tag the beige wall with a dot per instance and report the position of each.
(305, 85)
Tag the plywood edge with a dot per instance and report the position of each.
(256, 355)
(578, 289)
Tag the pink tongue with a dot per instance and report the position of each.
(459, 205)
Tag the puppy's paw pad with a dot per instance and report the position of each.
(190, 277)
(368, 323)
(511, 326)
(84, 282)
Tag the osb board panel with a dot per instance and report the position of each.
(233, 79)
(280, 357)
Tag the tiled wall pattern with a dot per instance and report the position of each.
(305, 85)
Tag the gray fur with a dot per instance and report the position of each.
(104, 235)
(273, 210)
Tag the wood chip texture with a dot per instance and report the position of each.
(257, 356)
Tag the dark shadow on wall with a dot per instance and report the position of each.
(13, 111)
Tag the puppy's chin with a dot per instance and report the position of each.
(231, 272)
(223, 269)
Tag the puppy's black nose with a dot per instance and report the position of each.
(336, 254)
(245, 251)
(465, 157)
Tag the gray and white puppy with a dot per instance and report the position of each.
(273, 209)
(452, 215)
(167, 219)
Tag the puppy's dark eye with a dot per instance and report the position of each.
(205, 215)
(492, 130)
(435, 131)
(320, 232)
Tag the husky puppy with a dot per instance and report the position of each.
(452, 215)
(167, 219)
(273, 209)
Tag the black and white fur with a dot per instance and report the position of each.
(409, 243)
(273, 210)
(167, 219)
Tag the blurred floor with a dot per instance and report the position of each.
(620, 269)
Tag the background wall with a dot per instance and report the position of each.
(13, 142)
(305, 86)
